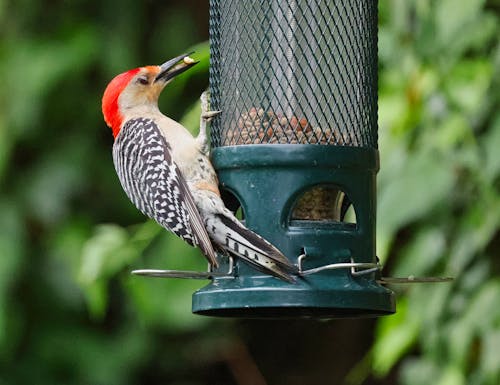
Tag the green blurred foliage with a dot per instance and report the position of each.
(71, 313)
(439, 202)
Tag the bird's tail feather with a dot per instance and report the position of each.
(244, 243)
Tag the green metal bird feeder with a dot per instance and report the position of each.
(296, 149)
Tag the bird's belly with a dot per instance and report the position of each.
(197, 171)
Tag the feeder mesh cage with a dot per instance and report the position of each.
(294, 72)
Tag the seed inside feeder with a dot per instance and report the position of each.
(259, 126)
(320, 204)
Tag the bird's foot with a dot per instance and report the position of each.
(207, 115)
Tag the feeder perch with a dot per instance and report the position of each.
(295, 149)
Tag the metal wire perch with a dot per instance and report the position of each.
(357, 269)
(367, 267)
(186, 274)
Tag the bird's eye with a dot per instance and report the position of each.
(142, 80)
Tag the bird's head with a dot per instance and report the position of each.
(138, 87)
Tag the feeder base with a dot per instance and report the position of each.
(266, 297)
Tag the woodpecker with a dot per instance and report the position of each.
(167, 174)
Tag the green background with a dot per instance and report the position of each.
(70, 313)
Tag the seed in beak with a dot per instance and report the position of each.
(188, 60)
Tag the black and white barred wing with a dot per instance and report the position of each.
(154, 183)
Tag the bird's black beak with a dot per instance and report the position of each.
(174, 67)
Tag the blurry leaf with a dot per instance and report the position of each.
(96, 294)
(429, 303)
(12, 246)
(107, 252)
(491, 145)
(453, 23)
(6, 144)
(489, 364)
(422, 253)
(42, 64)
(411, 193)
(144, 233)
(419, 371)
(451, 375)
(65, 249)
(167, 302)
(68, 242)
(460, 336)
(481, 31)
(476, 228)
(51, 185)
(481, 316)
(391, 110)
(104, 253)
(94, 357)
(483, 311)
(467, 84)
(387, 40)
(175, 22)
(476, 275)
(453, 131)
(395, 335)
(112, 247)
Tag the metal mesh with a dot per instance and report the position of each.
(294, 72)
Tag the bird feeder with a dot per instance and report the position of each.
(295, 149)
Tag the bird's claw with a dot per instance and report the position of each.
(208, 115)
(205, 113)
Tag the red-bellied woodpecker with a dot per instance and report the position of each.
(166, 172)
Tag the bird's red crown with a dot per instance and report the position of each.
(110, 109)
